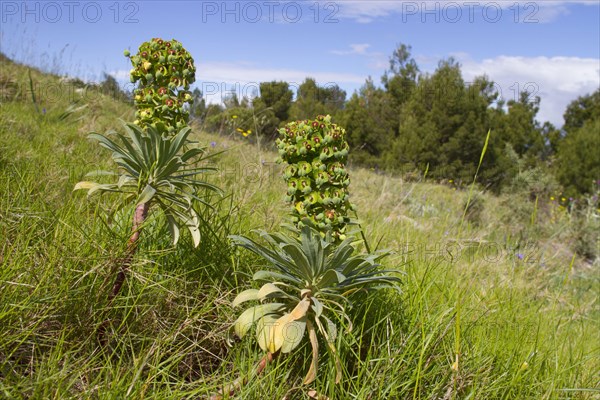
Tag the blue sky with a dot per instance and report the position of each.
(549, 47)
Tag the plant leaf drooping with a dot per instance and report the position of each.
(157, 171)
(307, 289)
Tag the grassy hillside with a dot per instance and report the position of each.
(499, 288)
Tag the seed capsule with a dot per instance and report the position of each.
(290, 171)
(314, 198)
(318, 165)
(304, 168)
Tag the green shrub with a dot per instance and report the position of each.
(534, 183)
(586, 229)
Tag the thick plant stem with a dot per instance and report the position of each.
(231, 388)
(262, 364)
(141, 212)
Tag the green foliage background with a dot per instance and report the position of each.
(416, 121)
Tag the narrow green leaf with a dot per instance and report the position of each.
(109, 187)
(101, 173)
(274, 258)
(268, 289)
(85, 185)
(194, 227)
(331, 277)
(146, 195)
(301, 262)
(314, 364)
(125, 180)
(331, 330)
(246, 295)
(271, 275)
(173, 227)
(316, 306)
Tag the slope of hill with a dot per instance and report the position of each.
(495, 303)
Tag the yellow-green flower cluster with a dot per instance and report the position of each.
(316, 152)
(164, 70)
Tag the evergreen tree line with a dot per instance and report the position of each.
(415, 122)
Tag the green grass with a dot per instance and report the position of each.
(521, 328)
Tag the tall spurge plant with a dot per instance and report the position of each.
(306, 291)
(164, 71)
(153, 171)
(316, 152)
(156, 167)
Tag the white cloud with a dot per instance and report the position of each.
(358, 49)
(375, 60)
(365, 11)
(557, 80)
(246, 73)
(218, 79)
(120, 75)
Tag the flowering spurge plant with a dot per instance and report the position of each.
(164, 71)
(307, 290)
(154, 171)
(317, 181)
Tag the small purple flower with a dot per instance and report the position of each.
(446, 233)
(213, 144)
(44, 111)
(262, 162)
(520, 256)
